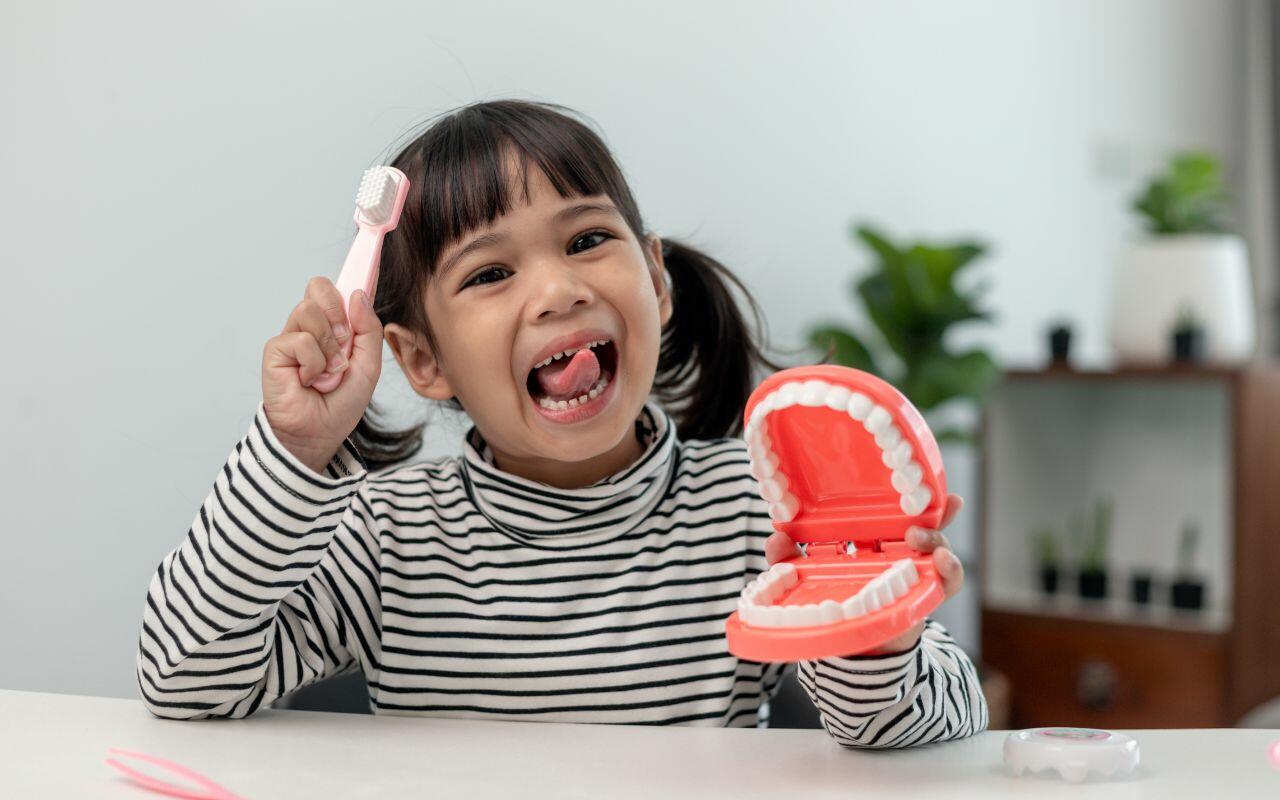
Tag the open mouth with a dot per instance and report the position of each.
(822, 591)
(573, 379)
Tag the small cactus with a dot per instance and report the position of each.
(1046, 546)
(1091, 536)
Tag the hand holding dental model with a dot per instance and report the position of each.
(779, 547)
(849, 468)
(318, 375)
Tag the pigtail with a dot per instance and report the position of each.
(710, 358)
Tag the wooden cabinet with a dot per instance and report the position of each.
(1106, 674)
(1166, 446)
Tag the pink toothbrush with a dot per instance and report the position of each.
(378, 204)
(208, 789)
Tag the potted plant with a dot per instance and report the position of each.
(1140, 587)
(914, 298)
(1047, 558)
(1092, 537)
(1187, 590)
(1059, 343)
(1188, 338)
(1189, 258)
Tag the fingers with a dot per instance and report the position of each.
(950, 570)
(299, 349)
(367, 349)
(326, 295)
(779, 547)
(320, 313)
(926, 541)
(954, 504)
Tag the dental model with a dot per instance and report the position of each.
(379, 201)
(847, 466)
(757, 604)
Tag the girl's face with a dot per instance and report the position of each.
(549, 276)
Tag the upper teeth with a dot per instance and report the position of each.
(564, 353)
(758, 603)
(906, 474)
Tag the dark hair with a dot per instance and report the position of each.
(458, 183)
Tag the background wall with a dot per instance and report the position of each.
(174, 174)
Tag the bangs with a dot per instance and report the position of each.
(472, 166)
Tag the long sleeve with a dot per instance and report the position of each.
(273, 586)
(927, 694)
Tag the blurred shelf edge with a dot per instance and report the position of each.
(1114, 610)
(1080, 665)
(1138, 372)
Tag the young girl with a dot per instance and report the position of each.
(577, 563)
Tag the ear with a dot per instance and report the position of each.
(658, 274)
(418, 362)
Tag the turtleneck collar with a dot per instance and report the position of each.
(545, 516)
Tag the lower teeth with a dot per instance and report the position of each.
(562, 405)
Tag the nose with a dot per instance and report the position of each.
(559, 290)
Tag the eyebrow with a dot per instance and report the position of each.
(488, 239)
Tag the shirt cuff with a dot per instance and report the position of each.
(874, 672)
(344, 470)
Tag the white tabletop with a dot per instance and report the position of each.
(52, 746)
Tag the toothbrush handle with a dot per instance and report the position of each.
(360, 271)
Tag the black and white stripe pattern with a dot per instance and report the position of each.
(461, 590)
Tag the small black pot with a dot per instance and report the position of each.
(1092, 584)
(1140, 588)
(1059, 344)
(1188, 345)
(1187, 594)
(1049, 580)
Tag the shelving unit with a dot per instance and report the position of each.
(1165, 445)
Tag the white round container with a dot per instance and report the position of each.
(1074, 753)
(1158, 277)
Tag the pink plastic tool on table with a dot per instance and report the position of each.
(848, 466)
(208, 789)
(379, 202)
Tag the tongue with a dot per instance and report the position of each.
(568, 378)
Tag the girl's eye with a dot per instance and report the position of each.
(587, 241)
(599, 238)
(488, 275)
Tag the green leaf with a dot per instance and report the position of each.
(888, 307)
(954, 436)
(846, 348)
(941, 377)
(877, 242)
(911, 296)
(1188, 197)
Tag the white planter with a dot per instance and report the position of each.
(1157, 278)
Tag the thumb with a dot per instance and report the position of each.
(366, 348)
(779, 547)
(950, 570)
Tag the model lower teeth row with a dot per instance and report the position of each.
(561, 405)
(906, 475)
(758, 603)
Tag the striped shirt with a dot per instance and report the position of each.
(461, 590)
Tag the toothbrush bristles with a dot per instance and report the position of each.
(376, 195)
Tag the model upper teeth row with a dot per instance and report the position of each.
(907, 476)
(564, 353)
(757, 603)
(561, 405)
